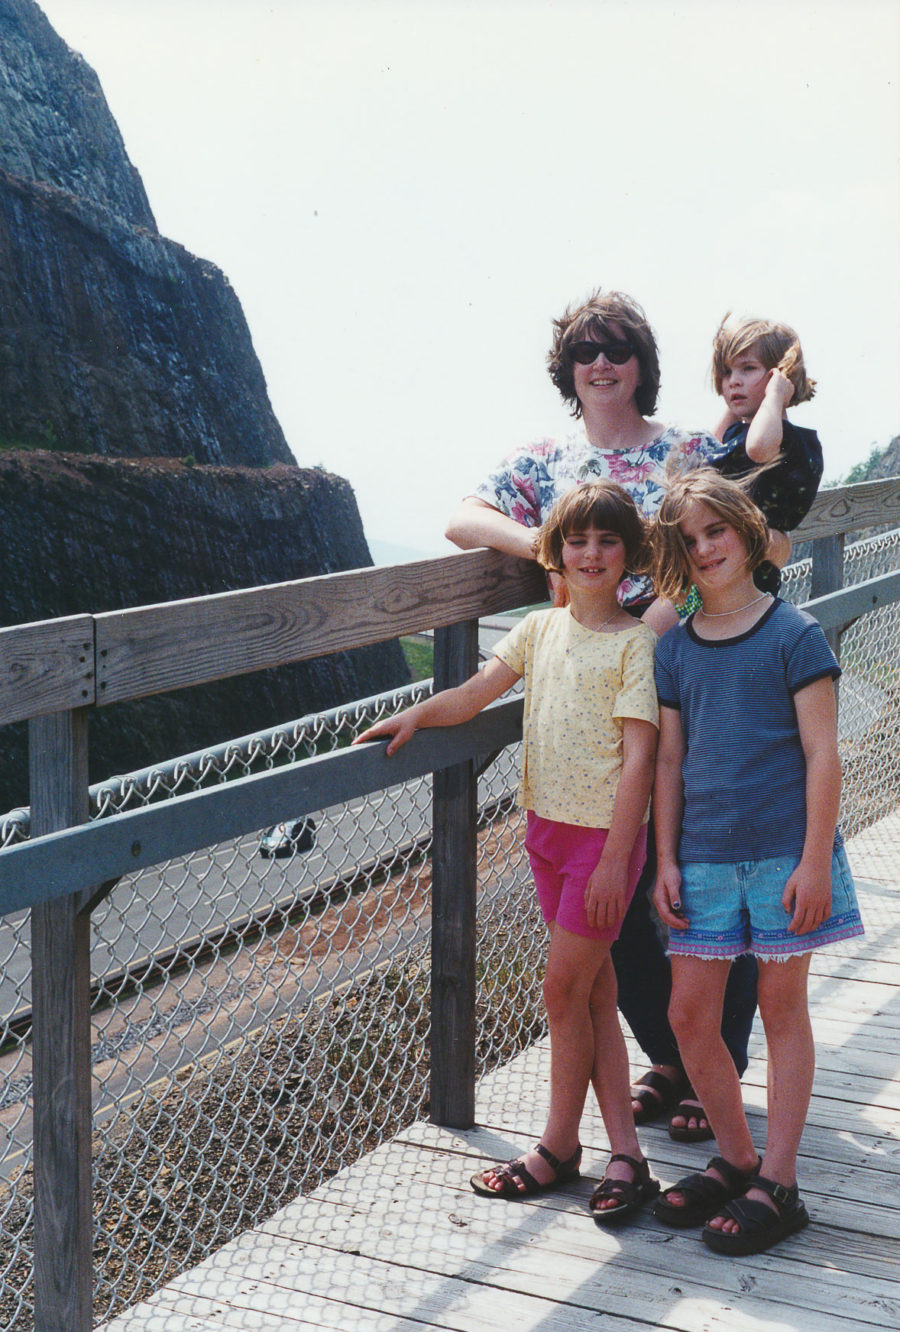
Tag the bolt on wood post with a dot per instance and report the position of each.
(455, 808)
(60, 947)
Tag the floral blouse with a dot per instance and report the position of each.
(529, 481)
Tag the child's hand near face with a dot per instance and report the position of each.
(779, 389)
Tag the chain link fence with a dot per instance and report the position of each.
(260, 1009)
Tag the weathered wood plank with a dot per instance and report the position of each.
(46, 666)
(152, 649)
(61, 1048)
(828, 576)
(841, 1192)
(848, 508)
(549, 1281)
(834, 610)
(400, 1238)
(379, 1224)
(171, 1312)
(50, 866)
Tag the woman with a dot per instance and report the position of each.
(605, 363)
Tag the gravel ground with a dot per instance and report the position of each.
(238, 1134)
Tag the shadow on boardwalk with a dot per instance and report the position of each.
(399, 1242)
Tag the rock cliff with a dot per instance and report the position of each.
(141, 460)
(57, 128)
(109, 532)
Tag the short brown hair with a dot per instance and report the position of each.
(592, 319)
(729, 499)
(603, 505)
(776, 345)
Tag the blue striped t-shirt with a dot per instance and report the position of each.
(744, 769)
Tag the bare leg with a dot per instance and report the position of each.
(610, 1077)
(572, 968)
(791, 1067)
(698, 989)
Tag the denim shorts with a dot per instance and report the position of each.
(736, 908)
(563, 857)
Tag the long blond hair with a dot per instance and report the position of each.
(728, 499)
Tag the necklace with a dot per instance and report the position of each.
(718, 615)
(606, 622)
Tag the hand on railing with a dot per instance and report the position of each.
(400, 728)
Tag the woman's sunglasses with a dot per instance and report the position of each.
(617, 353)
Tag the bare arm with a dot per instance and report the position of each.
(448, 708)
(728, 418)
(766, 430)
(660, 615)
(668, 807)
(605, 895)
(808, 891)
(474, 523)
(779, 548)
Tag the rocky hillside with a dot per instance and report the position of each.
(880, 464)
(140, 459)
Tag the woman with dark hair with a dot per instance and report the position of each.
(605, 363)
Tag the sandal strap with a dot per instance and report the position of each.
(548, 1156)
(753, 1216)
(656, 1082)
(623, 1190)
(783, 1195)
(513, 1170)
(640, 1168)
(734, 1178)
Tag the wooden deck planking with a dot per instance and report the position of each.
(398, 1242)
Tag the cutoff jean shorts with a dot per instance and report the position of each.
(736, 908)
(563, 857)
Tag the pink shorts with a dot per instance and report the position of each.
(563, 857)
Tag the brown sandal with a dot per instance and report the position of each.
(629, 1194)
(657, 1094)
(512, 1171)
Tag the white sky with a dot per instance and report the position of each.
(403, 193)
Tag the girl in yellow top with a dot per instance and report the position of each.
(590, 740)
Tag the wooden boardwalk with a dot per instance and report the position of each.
(399, 1242)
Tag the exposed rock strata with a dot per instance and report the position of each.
(57, 127)
(109, 533)
(121, 356)
(114, 340)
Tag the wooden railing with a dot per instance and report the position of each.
(53, 672)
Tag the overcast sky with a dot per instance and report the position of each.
(405, 192)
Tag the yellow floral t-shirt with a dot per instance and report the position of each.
(580, 684)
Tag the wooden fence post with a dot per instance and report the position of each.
(455, 808)
(828, 576)
(60, 949)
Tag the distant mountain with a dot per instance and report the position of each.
(388, 552)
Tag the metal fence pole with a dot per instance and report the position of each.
(455, 808)
(61, 1042)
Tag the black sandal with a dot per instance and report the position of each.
(512, 1171)
(689, 1108)
(760, 1225)
(660, 1094)
(629, 1194)
(704, 1195)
